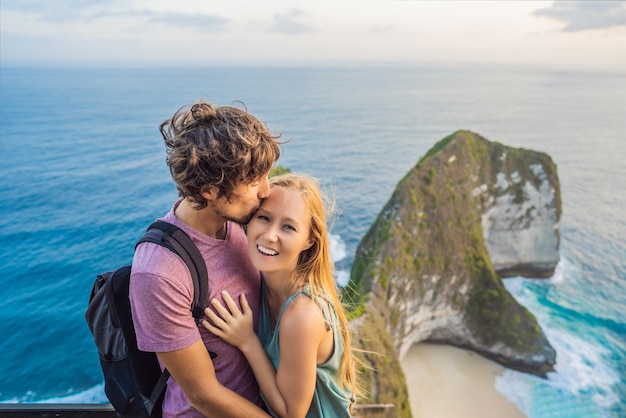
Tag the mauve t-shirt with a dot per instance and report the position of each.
(161, 294)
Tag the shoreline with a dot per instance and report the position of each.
(445, 381)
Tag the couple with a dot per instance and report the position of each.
(273, 278)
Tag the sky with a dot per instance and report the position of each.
(561, 34)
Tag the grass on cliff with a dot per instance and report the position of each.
(380, 374)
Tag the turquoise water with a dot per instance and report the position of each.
(83, 172)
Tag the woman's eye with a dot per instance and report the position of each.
(289, 227)
(263, 218)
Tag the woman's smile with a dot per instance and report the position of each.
(266, 251)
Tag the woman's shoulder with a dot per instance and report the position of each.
(302, 315)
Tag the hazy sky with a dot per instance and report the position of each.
(586, 35)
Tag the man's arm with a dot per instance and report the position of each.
(193, 369)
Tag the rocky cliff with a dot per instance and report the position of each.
(430, 267)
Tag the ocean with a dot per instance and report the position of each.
(83, 173)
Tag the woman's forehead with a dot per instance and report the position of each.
(283, 199)
(282, 195)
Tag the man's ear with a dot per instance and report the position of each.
(210, 193)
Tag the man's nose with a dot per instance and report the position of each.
(264, 188)
(271, 234)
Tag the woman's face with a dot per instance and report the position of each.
(279, 231)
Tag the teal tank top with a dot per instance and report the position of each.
(329, 399)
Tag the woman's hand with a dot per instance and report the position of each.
(232, 325)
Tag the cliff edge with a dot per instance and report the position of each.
(429, 269)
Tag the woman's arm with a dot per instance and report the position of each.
(302, 329)
(288, 390)
(236, 328)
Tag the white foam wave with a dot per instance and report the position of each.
(337, 248)
(581, 373)
(517, 389)
(94, 395)
(564, 269)
(342, 278)
(582, 370)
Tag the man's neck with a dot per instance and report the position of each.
(205, 221)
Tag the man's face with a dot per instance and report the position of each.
(246, 199)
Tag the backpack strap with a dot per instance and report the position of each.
(177, 241)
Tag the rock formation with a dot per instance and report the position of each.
(520, 216)
(430, 267)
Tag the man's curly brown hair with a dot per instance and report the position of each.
(221, 146)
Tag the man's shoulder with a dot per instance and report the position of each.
(157, 274)
(155, 259)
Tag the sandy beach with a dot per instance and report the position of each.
(446, 381)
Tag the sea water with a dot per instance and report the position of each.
(83, 173)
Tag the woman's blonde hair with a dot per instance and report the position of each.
(315, 266)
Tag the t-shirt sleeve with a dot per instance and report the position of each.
(161, 294)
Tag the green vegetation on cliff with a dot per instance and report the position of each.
(426, 248)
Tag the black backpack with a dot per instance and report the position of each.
(133, 381)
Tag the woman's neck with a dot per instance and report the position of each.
(279, 287)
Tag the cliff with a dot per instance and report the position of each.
(429, 269)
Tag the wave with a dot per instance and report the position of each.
(342, 278)
(337, 248)
(93, 395)
(338, 252)
(562, 269)
(585, 380)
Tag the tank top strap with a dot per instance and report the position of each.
(322, 301)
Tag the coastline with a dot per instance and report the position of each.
(445, 381)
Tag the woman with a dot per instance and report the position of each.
(301, 357)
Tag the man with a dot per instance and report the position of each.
(219, 158)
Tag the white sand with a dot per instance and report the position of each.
(445, 381)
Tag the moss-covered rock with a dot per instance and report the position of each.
(423, 271)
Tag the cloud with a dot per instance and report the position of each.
(197, 21)
(88, 10)
(291, 23)
(586, 15)
(58, 11)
